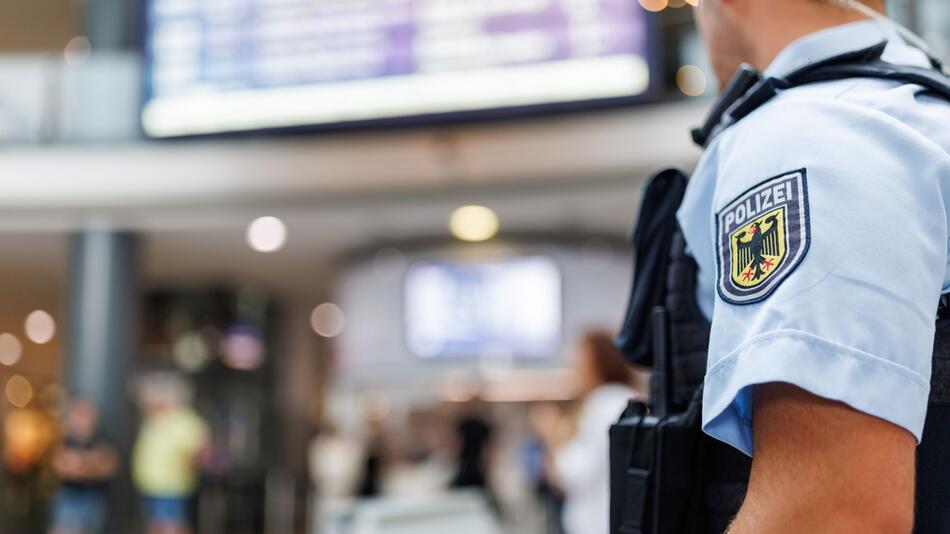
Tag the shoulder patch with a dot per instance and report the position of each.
(763, 235)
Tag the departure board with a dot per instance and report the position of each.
(237, 65)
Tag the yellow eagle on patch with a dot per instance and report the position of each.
(758, 248)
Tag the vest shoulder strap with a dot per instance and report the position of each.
(750, 91)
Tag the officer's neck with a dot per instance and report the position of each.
(770, 32)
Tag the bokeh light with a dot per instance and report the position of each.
(19, 391)
(77, 51)
(40, 327)
(10, 349)
(691, 80)
(374, 405)
(267, 234)
(654, 5)
(241, 348)
(28, 436)
(191, 352)
(473, 223)
(327, 320)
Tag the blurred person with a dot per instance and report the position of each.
(533, 457)
(474, 434)
(374, 459)
(171, 444)
(422, 461)
(335, 458)
(85, 464)
(334, 462)
(578, 450)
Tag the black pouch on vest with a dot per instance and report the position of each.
(650, 483)
(656, 459)
(933, 491)
(651, 239)
(660, 482)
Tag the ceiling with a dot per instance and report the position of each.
(38, 24)
(191, 201)
(64, 185)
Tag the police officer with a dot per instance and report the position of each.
(819, 224)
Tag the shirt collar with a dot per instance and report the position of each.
(825, 44)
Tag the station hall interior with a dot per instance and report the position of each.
(361, 245)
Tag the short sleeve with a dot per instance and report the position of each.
(830, 236)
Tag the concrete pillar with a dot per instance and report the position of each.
(109, 24)
(102, 336)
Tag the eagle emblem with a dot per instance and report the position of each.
(763, 236)
(759, 249)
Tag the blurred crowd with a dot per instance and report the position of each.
(61, 468)
(560, 450)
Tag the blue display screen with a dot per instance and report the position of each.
(237, 65)
(502, 308)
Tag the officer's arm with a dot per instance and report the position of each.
(822, 467)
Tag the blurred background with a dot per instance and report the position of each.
(335, 266)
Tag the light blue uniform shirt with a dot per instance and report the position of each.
(819, 223)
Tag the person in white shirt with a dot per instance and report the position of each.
(578, 453)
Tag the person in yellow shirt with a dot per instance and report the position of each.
(168, 451)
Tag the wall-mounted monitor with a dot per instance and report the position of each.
(217, 66)
(508, 307)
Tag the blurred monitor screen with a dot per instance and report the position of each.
(510, 307)
(219, 66)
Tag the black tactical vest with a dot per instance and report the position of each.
(667, 476)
